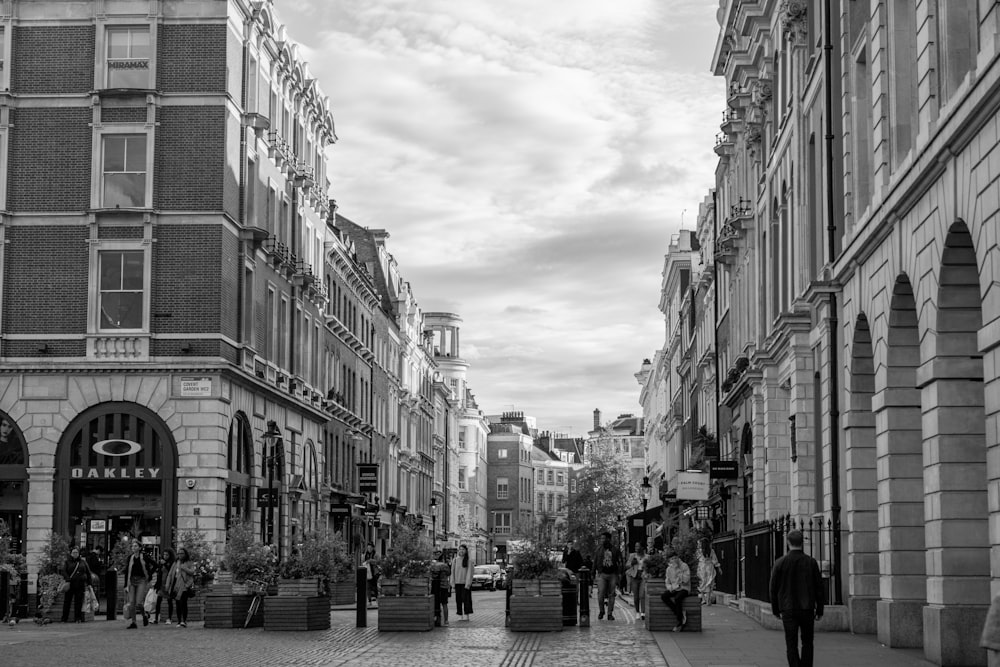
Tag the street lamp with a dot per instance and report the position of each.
(647, 491)
(271, 439)
(434, 520)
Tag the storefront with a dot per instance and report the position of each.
(13, 480)
(116, 475)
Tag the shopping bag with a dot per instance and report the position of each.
(90, 604)
(150, 603)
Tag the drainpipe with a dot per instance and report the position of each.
(832, 319)
(715, 328)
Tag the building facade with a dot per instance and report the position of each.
(857, 245)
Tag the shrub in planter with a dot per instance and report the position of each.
(410, 558)
(247, 558)
(410, 555)
(50, 578)
(536, 595)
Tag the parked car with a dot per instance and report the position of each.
(486, 577)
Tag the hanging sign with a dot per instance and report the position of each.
(368, 478)
(692, 486)
(723, 470)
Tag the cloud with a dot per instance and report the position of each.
(530, 161)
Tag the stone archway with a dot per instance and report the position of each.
(900, 478)
(956, 507)
(862, 495)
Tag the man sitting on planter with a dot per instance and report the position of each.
(608, 564)
(678, 584)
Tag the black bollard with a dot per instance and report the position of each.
(361, 595)
(584, 575)
(111, 591)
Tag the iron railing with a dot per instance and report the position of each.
(727, 550)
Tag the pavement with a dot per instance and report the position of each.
(729, 639)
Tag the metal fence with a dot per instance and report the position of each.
(747, 556)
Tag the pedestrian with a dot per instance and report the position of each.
(167, 559)
(370, 561)
(797, 599)
(708, 566)
(139, 570)
(634, 571)
(180, 584)
(440, 587)
(461, 579)
(608, 562)
(677, 585)
(572, 558)
(76, 572)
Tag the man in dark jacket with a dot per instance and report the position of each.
(608, 567)
(797, 599)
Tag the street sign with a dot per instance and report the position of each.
(723, 470)
(368, 477)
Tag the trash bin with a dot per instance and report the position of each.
(570, 596)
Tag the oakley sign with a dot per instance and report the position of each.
(117, 447)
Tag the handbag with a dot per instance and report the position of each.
(64, 587)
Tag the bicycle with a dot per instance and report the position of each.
(258, 589)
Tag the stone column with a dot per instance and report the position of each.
(41, 509)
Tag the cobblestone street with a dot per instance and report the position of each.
(482, 642)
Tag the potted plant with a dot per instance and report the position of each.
(301, 603)
(536, 592)
(248, 561)
(659, 617)
(13, 567)
(405, 602)
(50, 577)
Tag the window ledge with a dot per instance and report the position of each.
(119, 210)
(124, 92)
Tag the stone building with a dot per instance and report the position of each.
(857, 241)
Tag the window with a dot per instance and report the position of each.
(121, 289)
(461, 477)
(560, 480)
(549, 477)
(124, 168)
(128, 57)
(501, 453)
(572, 486)
(503, 490)
(541, 502)
(541, 477)
(548, 503)
(501, 523)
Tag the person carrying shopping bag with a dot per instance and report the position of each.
(76, 572)
(139, 570)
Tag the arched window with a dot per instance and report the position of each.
(240, 463)
(13, 480)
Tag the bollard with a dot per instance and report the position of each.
(584, 575)
(111, 591)
(361, 595)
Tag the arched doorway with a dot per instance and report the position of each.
(116, 474)
(13, 481)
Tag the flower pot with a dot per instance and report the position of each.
(295, 612)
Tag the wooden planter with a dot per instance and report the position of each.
(225, 610)
(413, 613)
(415, 586)
(659, 618)
(342, 592)
(290, 612)
(536, 613)
(545, 587)
(306, 586)
(389, 587)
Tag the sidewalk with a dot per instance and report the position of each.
(732, 639)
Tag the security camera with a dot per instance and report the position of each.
(190, 483)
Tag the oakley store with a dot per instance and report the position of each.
(116, 474)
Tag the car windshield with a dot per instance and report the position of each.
(481, 570)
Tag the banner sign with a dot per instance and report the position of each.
(692, 486)
(341, 509)
(723, 470)
(267, 498)
(368, 478)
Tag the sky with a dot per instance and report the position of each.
(531, 160)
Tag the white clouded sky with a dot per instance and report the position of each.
(530, 160)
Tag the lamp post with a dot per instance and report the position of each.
(434, 519)
(271, 438)
(647, 490)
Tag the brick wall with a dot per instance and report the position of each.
(49, 162)
(191, 59)
(52, 59)
(186, 296)
(45, 280)
(123, 114)
(232, 267)
(190, 158)
(119, 232)
(54, 348)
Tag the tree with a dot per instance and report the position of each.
(605, 490)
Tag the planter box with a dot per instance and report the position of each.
(659, 618)
(536, 613)
(529, 587)
(290, 612)
(342, 592)
(389, 587)
(418, 586)
(306, 586)
(224, 610)
(406, 614)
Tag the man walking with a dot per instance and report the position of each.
(797, 599)
(608, 564)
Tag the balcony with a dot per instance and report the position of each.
(303, 176)
(724, 146)
(303, 276)
(118, 347)
(737, 97)
(278, 149)
(741, 216)
(731, 125)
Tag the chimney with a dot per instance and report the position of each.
(597, 419)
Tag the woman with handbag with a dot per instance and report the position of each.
(159, 585)
(77, 575)
(180, 584)
(139, 570)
